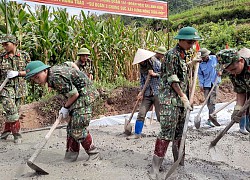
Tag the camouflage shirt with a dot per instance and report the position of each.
(87, 67)
(68, 81)
(241, 82)
(173, 70)
(16, 87)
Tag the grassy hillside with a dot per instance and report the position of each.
(216, 11)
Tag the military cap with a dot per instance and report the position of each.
(188, 33)
(35, 67)
(83, 51)
(227, 57)
(161, 50)
(9, 38)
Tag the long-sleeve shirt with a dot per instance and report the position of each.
(153, 86)
(207, 72)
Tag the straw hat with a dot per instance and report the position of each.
(244, 52)
(142, 55)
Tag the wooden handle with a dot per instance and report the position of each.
(142, 92)
(3, 84)
(224, 131)
(222, 107)
(53, 127)
(44, 141)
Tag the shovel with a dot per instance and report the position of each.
(211, 116)
(31, 160)
(197, 119)
(3, 84)
(127, 125)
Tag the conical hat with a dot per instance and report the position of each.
(244, 52)
(142, 55)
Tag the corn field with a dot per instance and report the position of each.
(52, 36)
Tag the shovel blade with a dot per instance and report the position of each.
(36, 168)
(197, 122)
(127, 128)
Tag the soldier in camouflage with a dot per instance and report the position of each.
(84, 63)
(80, 94)
(237, 64)
(173, 92)
(12, 66)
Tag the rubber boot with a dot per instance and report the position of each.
(17, 138)
(175, 150)
(159, 154)
(73, 148)
(242, 125)
(138, 130)
(15, 128)
(7, 130)
(90, 149)
(247, 124)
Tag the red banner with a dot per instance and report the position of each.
(141, 8)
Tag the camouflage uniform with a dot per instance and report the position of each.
(241, 82)
(172, 113)
(86, 67)
(68, 81)
(15, 90)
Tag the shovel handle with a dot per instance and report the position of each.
(137, 102)
(44, 141)
(3, 84)
(222, 107)
(222, 133)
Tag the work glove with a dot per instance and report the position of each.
(186, 103)
(193, 62)
(236, 116)
(65, 112)
(12, 74)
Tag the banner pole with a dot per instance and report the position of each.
(168, 28)
(6, 17)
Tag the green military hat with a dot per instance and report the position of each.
(161, 50)
(188, 33)
(9, 38)
(227, 57)
(35, 67)
(83, 51)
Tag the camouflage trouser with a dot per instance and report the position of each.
(10, 107)
(172, 119)
(80, 117)
(212, 99)
(146, 104)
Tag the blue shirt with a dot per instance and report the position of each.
(207, 72)
(153, 87)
